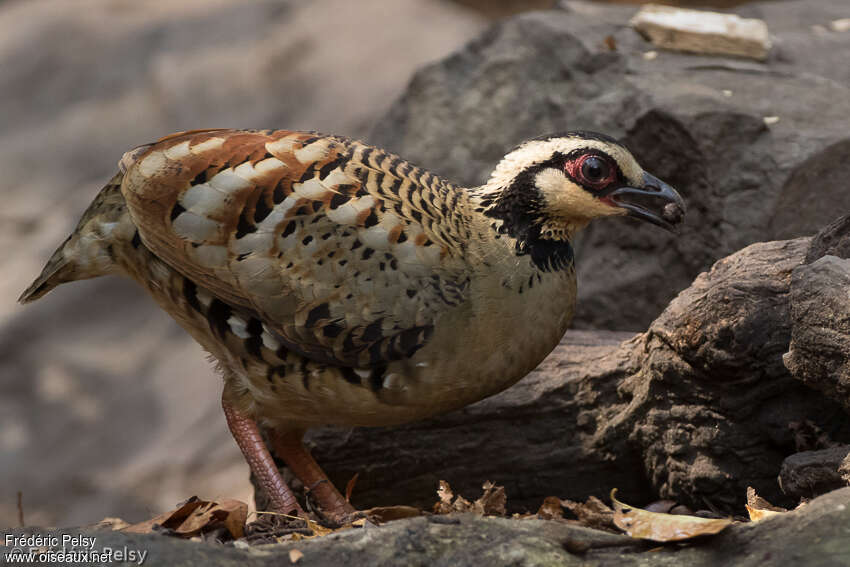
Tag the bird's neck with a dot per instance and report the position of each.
(519, 219)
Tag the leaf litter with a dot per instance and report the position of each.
(225, 521)
(661, 527)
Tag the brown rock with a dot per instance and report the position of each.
(819, 353)
(812, 473)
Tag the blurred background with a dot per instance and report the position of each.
(108, 408)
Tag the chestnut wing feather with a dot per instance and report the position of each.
(348, 252)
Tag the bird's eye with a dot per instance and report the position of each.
(594, 169)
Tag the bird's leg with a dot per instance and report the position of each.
(247, 435)
(288, 446)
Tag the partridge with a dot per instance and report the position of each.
(336, 283)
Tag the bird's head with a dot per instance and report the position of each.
(550, 187)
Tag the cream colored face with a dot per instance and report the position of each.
(566, 200)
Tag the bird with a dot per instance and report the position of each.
(335, 283)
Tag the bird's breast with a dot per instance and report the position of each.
(509, 325)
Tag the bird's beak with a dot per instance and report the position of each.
(654, 201)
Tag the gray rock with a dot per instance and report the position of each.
(811, 473)
(695, 121)
(465, 540)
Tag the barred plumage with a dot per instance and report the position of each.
(336, 283)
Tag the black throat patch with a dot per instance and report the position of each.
(520, 207)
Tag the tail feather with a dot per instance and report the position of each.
(87, 252)
(59, 269)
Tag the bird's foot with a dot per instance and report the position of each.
(332, 505)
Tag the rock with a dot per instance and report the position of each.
(833, 240)
(699, 31)
(694, 121)
(819, 354)
(466, 540)
(695, 410)
(812, 473)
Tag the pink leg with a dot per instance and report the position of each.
(247, 435)
(288, 447)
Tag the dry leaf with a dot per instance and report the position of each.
(445, 494)
(550, 509)
(759, 508)
(295, 556)
(349, 487)
(759, 503)
(594, 513)
(448, 502)
(168, 520)
(757, 515)
(318, 531)
(196, 516)
(384, 514)
(493, 501)
(662, 527)
(461, 504)
(610, 42)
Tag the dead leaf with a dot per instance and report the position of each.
(349, 487)
(662, 527)
(196, 516)
(384, 514)
(318, 531)
(169, 519)
(235, 515)
(759, 508)
(295, 556)
(461, 504)
(594, 513)
(550, 509)
(445, 494)
(449, 502)
(757, 515)
(759, 503)
(493, 501)
(610, 42)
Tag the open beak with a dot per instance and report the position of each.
(654, 201)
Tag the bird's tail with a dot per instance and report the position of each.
(89, 251)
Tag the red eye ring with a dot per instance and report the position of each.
(593, 171)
